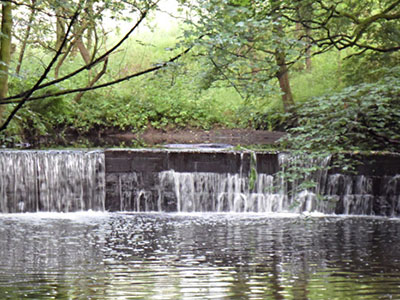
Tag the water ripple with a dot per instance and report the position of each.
(193, 256)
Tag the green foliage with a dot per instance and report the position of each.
(364, 117)
(241, 43)
(157, 104)
(369, 67)
(169, 98)
(253, 171)
(324, 78)
(227, 80)
(359, 25)
(360, 118)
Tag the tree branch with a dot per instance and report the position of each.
(44, 75)
(110, 83)
(94, 80)
(90, 65)
(226, 77)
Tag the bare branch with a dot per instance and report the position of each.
(44, 75)
(90, 65)
(227, 78)
(110, 83)
(94, 80)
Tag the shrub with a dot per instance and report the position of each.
(363, 117)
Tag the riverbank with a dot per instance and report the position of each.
(155, 137)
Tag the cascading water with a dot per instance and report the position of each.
(358, 196)
(167, 181)
(248, 191)
(62, 181)
(201, 192)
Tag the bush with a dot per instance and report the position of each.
(363, 117)
(369, 67)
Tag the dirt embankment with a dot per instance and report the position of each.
(193, 136)
(152, 137)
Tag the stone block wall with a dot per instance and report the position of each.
(134, 178)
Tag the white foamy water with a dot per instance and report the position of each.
(62, 181)
(75, 180)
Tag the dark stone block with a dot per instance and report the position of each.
(267, 163)
(133, 180)
(374, 165)
(383, 206)
(211, 162)
(147, 180)
(376, 185)
(112, 203)
(169, 202)
(118, 165)
(149, 162)
(121, 161)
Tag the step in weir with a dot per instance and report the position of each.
(197, 180)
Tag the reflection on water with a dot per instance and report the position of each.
(172, 256)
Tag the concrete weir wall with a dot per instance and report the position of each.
(133, 176)
(135, 181)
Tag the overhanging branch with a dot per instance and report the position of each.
(27, 95)
(88, 66)
(110, 83)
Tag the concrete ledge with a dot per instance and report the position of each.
(181, 160)
(228, 161)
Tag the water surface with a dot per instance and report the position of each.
(198, 256)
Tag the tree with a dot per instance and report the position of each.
(248, 42)
(362, 117)
(5, 49)
(26, 36)
(365, 115)
(367, 30)
(251, 42)
(82, 39)
(371, 25)
(73, 35)
(280, 55)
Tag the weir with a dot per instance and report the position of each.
(222, 181)
(192, 180)
(58, 181)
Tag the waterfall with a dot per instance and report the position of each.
(191, 181)
(62, 181)
(202, 192)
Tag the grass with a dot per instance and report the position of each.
(324, 78)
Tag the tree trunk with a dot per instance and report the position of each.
(284, 83)
(280, 58)
(299, 35)
(305, 14)
(79, 96)
(339, 62)
(83, 50)
(26, 37)
(60, 28)
(5, 50)
(91, 25)
(308, 50)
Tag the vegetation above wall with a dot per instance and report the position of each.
(325, 71)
